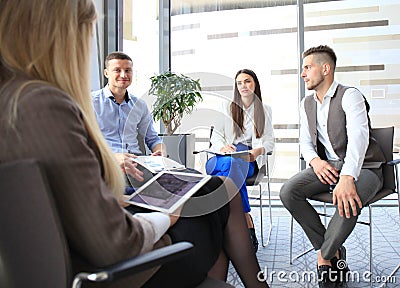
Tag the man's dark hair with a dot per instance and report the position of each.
(322, 50)
(117, 55)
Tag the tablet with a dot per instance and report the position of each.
(157, 164)
(167, 190)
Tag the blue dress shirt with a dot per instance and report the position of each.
(121, 123)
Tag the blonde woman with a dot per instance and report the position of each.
(47, 114)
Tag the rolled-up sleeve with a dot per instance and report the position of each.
(357, 128)
(146, 125)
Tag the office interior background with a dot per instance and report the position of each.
(211, 40)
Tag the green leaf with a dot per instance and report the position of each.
(175, 95)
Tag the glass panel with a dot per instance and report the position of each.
(212, 40)
(365, 35)
(140, 22)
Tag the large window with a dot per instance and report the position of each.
(211, 40)
(140, 30)
(366, 37)
(218, 40)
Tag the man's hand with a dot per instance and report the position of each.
(325, 172)
(345, 196)
(157, 153)
(159, 150)
(121, 157)
(128, 166)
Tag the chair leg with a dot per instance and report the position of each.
(397, 185)
(370, 244)
(291, 258)
(269, 202)
(371, 258)
(261, 215)
(291, 242)
(264, 244)
(270, 207)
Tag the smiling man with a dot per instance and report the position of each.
(122, 116)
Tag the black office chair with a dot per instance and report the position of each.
(384, 136)
(33, 248)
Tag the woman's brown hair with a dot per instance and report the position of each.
(237, 107)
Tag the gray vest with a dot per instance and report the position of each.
(337, 132)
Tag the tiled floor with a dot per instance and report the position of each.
(274, 258)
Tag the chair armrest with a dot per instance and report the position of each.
(393, 162)
(137, 264)
(149, 259)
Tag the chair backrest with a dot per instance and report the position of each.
(257, 177)
(211, 132)
(384, 137)
(33, 250)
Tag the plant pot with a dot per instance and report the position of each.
(180, 148)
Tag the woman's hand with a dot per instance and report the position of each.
(175, 216)
(228, 148)
(254, 153)
(122, 201)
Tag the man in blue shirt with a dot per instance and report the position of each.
(122, 116)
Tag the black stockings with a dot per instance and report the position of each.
(237, 246)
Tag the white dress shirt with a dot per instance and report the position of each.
(159, 221)
(356, 127)
(223, 132)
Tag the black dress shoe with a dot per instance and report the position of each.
(326, 277)
(340, 265)
(253, 238)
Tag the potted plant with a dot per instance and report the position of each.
(176, 95)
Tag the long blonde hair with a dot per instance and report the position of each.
(50, 41)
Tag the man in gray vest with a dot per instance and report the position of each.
(335, 141)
